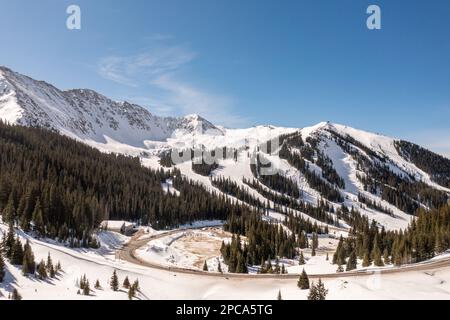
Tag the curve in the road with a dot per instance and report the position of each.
(128, 253)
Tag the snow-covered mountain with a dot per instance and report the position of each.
(86, 114)
(381, 176)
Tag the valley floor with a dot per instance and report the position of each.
(163, 284)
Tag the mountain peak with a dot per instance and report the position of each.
(84, 113)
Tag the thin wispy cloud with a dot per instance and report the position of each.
(435, 140)
(157, 70)
(111, 68)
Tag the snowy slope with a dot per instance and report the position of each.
(86, 114)
(161, 284)
(121, 127)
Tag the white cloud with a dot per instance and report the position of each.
(158, 68)
(111, 68)
(189, 100)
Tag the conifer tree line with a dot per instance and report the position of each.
(62, 189)
(437, 166)
(315, 181)
(203, 168)
(320, 212)
(425, 237)
(22, 255)
(404, 192)
(265, 241)
(312, 153)
(275, 181)
(227, 186)
(374, 205)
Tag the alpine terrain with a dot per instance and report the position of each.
(113, 191)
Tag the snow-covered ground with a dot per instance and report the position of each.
(159, 284)
(186, 249)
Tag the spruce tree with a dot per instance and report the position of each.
(2, 268)
(9, 241)
(386, 256)
(219, 268)
(38, 218)
(86, 288)
(28, 264)
(16, 295)
(366, 260)
(279, 295)
(17, 253)
(136, 285)
(49, 264)
(131, 292)
(9, 213)
(317, 292)
(303, 281)
(205, 266)
(42, 272)
(97, 285)
(352, 262)
(114, 283)
(126, 283)
(301, 260)
(376, 256)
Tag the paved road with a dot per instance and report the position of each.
(128, 253)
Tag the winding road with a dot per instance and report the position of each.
(128, 253)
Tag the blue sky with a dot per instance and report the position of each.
(248, 62)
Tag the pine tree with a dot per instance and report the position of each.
(126, 283)
(327, 258)
(386, 256)
(219, 268)
(97, 285)
(136, 285)
(279, 295)
(366, 260)
(313, 252)
(376, 256)
(16, 295)
(2, 268)
(49, 264)
(205, 266)
(303, 281)
(352, 262)
(114, 283)
(317, 292)
(131, 292)
(86, 288)
(58, 266)
(28, 264)
(38, 218)
(83, 282)
(9, 213)
(301, 260)
(9, 240)
(42, 272)
(17, 253)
